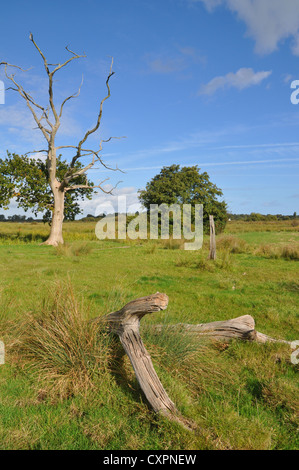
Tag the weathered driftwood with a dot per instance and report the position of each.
(125, 323)
(242, 328)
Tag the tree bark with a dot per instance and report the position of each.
(56, 236)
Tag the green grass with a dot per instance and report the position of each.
(66, 385)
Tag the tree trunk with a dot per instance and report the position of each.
(56, 237)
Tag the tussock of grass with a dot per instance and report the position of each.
(61, 347)
(73, 250)
(200, 261)
(225, 260)
(232, 244)
(172, 244)
(288, 252)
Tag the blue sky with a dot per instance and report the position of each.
(204, 82)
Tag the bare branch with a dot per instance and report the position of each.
(50, 75)
(70, 97)
(40, 52)
(87, 186)
(70, 175)
(29, 101)
(36, 151)
(75, 56)
(16, 66)
(95, 128)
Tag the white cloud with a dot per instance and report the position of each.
(243, 78)
(268, 21)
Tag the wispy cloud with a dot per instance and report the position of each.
(268, 21)
(243, 78)
(19, 131)
(168, 62)
(252, 146)
(225, 163)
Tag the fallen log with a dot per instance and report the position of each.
(126, 322)
(241, 328)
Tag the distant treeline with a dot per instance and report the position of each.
(18, 218)
(253, 217)
(256, 217)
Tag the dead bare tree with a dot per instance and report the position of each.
(48, 120)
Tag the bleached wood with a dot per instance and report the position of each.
(212, 254)
(126, 322)
(241, 328)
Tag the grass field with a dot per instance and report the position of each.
(66, 385)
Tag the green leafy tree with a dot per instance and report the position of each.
(27, 180)
(186, 185)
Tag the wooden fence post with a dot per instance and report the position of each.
(212, 238)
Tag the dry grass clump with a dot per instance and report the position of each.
(288, 252)
(232, 244)
(60, 345)
(201, 261)
(73, 250)
(173, 244)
